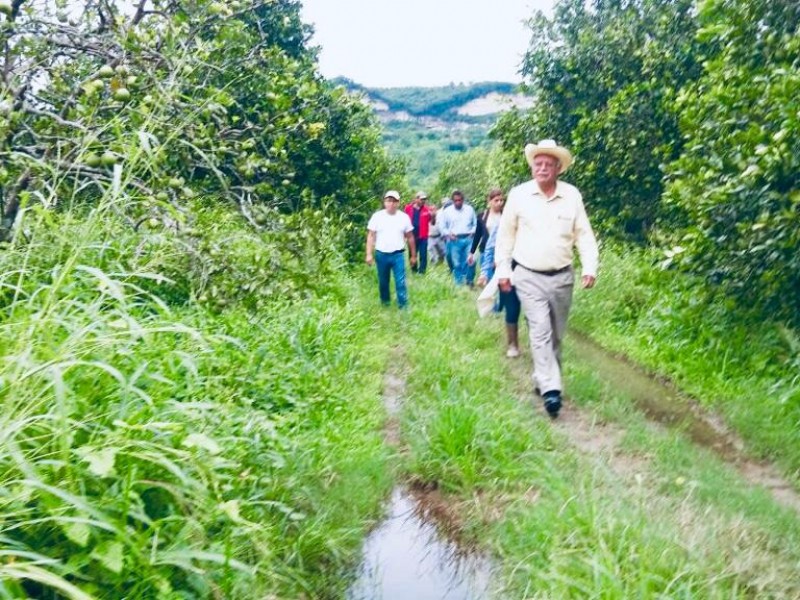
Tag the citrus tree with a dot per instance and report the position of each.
(605, 75)
(168, 100)
(737, 182)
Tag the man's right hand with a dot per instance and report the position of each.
(504, 285)
(370, 260)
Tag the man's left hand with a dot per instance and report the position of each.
(413, 260)
(587, 281)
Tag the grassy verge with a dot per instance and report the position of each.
(561, 523)
(176, 450)
(742, 365)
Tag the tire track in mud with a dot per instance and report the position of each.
(431, 505)
(664, 407)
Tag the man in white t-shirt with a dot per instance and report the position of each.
(388, 231)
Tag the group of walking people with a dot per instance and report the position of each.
(526, 247)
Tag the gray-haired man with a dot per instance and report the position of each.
(543, 221)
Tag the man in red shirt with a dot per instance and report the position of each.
(420, 216)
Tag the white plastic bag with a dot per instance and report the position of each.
(486, 299)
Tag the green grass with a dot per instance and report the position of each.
(155, 446)
(163, 448)
(560, 523)
(741, 364)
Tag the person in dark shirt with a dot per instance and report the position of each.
(420, 216)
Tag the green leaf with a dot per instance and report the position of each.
(77, 532)
(200, 440)
(101, 461)
(110, 555)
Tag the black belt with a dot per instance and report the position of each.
(395, 252)
(515, 264)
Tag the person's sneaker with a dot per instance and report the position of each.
(512, 352)
(552, 404)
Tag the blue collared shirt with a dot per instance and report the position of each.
(458, 222)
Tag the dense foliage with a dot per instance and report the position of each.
(683, 119)
(605, 75)
(475, 173)
(737, 183)
(178, 187)
(167, 100)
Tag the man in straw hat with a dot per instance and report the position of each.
(388, 232)
(543, 221)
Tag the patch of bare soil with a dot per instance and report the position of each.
(598, 439)
(394, 389)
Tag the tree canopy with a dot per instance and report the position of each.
(683, 119)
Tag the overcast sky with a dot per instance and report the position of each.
(390, 43)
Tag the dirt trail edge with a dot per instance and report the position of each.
(431, 505)
(664, 405)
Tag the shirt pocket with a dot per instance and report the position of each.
(565, 224)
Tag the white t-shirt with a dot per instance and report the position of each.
(390, 230)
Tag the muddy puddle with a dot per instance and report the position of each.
(663, 404)
(405, 558)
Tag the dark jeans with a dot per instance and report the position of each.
(510, 302)
(388, 264)
(422, 256)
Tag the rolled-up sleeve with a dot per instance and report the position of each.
(585, 242)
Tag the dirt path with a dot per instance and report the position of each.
(664, 407)
(431, 505)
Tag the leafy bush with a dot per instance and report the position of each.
(737, 181)
(155, 449)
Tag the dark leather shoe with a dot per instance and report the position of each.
(552, 404)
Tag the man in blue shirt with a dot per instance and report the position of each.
(458, 223)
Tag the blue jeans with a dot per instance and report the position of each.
(388, 264)
(457, 251)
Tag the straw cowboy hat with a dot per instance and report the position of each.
(550, 148)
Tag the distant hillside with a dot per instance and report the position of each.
(446, 103)
(425, 125)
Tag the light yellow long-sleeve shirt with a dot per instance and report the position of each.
(540, 233)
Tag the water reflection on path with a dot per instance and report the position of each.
(405, 559)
